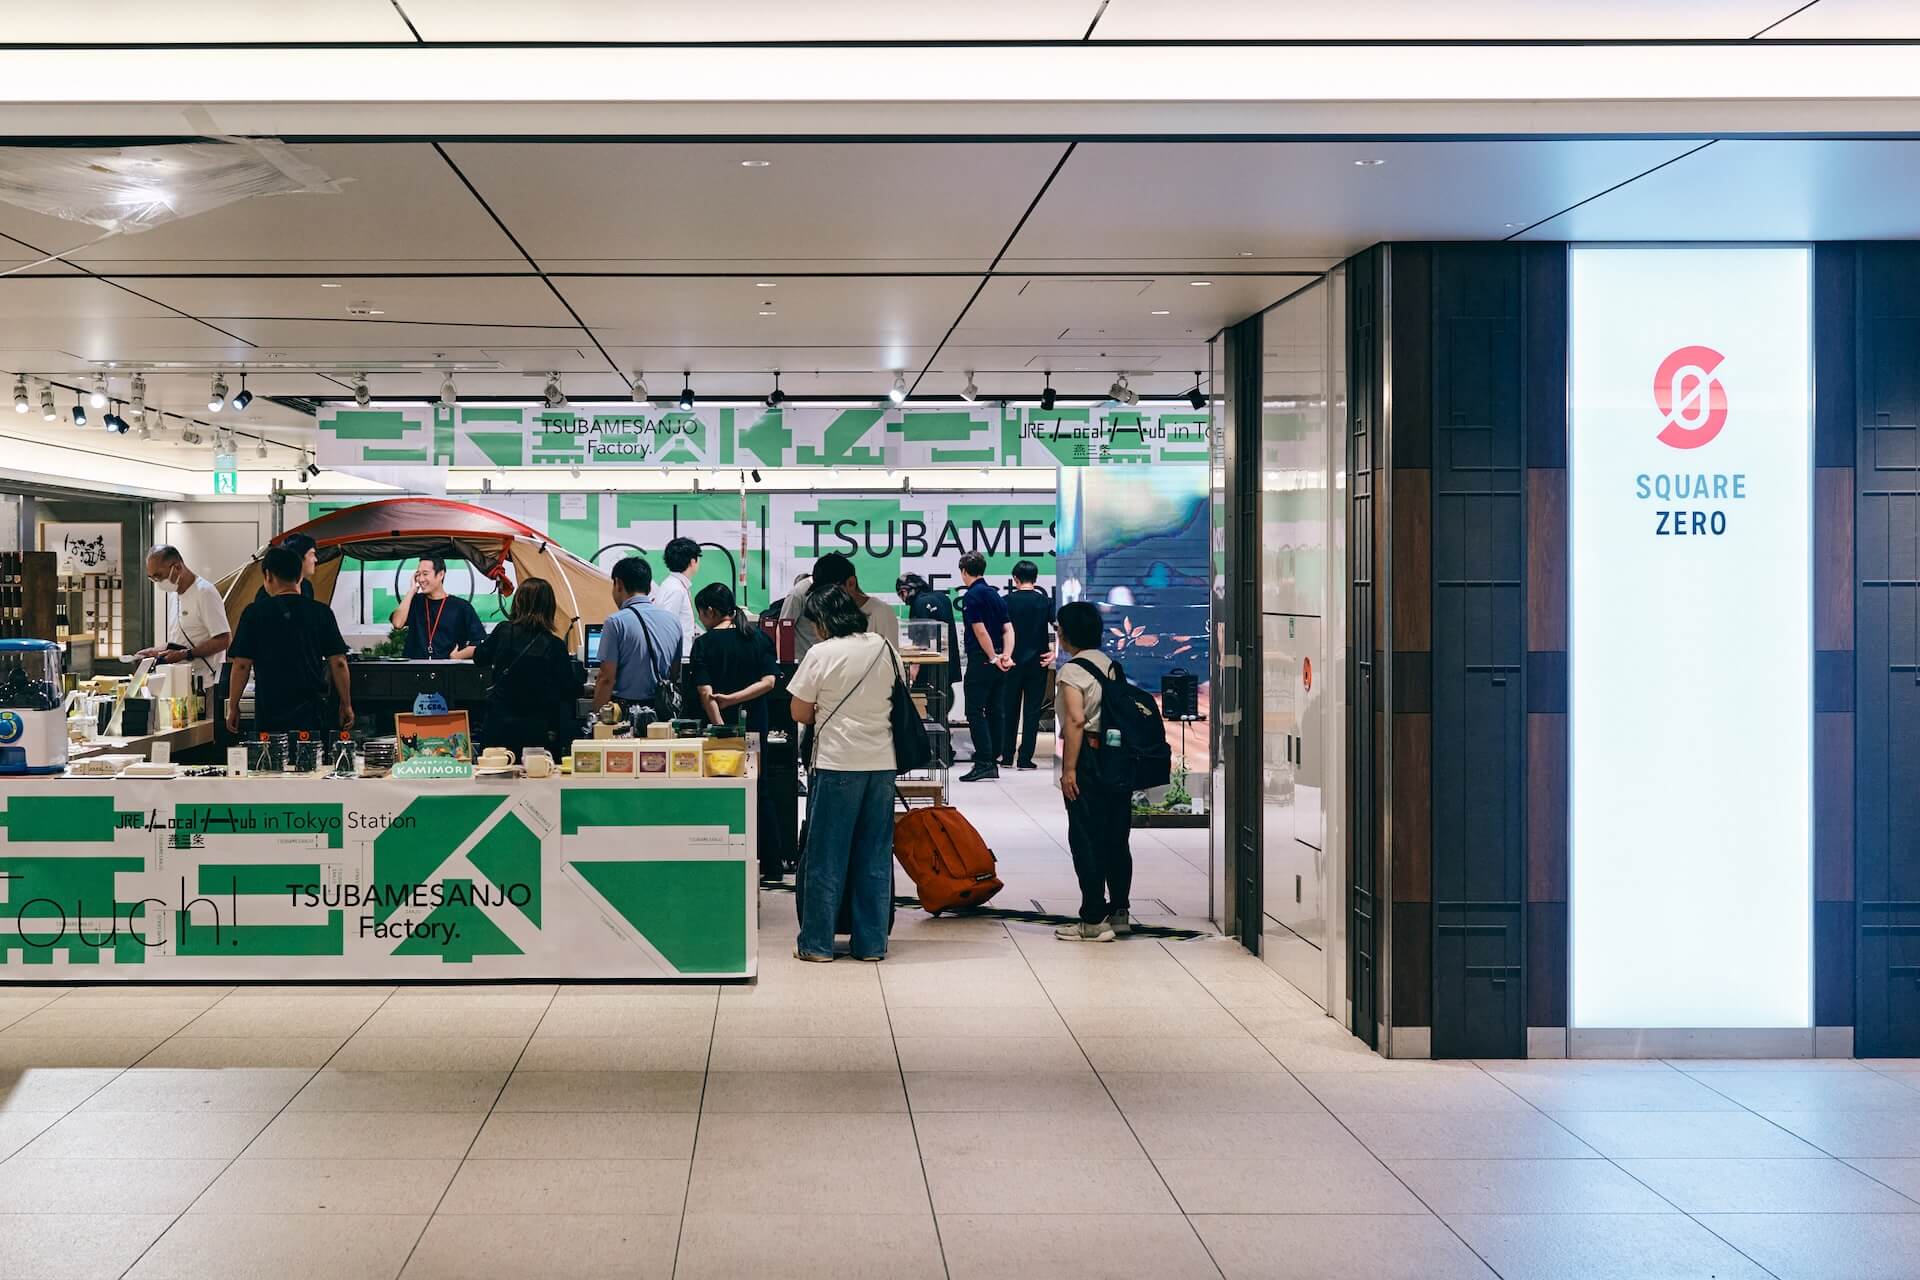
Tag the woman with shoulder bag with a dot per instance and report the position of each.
(536, 681)
(844, 688)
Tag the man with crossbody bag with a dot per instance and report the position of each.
(638, 646)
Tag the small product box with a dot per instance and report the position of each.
(588, 756)
(686, 758)
(618, 759)
(660, 731)
(651, 758)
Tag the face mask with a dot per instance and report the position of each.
(167, 585)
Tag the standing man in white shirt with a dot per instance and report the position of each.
(674, 593)
(197, 629)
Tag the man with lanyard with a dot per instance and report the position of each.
(197, 632)
(292, 648)
(438, 625)
(639, 642)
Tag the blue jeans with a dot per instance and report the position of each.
(850, 850)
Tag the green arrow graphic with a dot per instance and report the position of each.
(769, 439)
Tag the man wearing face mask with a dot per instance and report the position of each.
(197, 630)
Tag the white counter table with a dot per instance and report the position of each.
(292, 879)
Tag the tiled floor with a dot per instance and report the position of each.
(988, 1103)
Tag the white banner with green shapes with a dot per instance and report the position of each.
(341, 880)
(709, 437)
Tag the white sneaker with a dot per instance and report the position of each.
(1122, 926)
(1098, 931)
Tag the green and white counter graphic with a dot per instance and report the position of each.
(375, 879)
(707, 437)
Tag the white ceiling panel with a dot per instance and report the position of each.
(1219, 200)
(897, 311)
(70, 297)
(1080, 309)
(690, 20)
(904, 204)
(1852, 20)
(1828, 190)
(398, 203)
(442, 300)
(203, 21)
(1425, 20)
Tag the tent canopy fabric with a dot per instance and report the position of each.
(500, 547)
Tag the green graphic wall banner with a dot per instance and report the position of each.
(723, 436)
(382, 880)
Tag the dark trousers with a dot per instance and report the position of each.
(982, 688)
(1099, 826)
(1026, 689)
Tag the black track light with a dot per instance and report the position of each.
(361, 395)
(1048, 395)
(970, 393)
(79, 413)
(554, 395)
(245, 398)
(1196, 397)
(776, 396)
(686, 390)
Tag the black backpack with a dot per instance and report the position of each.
(1143, 759)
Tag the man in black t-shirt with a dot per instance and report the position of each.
(438, 625)
(292, 648)
(309, 560)
(1031, 611)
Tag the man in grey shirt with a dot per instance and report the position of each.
(836, 570)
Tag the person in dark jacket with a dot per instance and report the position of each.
(536, 681)
(923, 604)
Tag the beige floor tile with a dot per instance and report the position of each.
(601, 1091)
(1177, 1023)
(268, 1246)
(497, 1187)
(804, 1053)
(1060, 1184)
(76, 1246)
(736, 1021)
(369, 996)
(18, 1128)
(429, 1053)
(1811, 1091)
(400, 1091)
(1054, 1091)
(188, 1135)
(577, 1246)
(1526, 1186)
(191, 1090)
(50, 1088)
(502, 995)
(374, 1135)
(683, 995)
(330, 1017)
(1767, 1186)
(1343, 1184)
(413, 1018)
(630, 1020)
(1339, 1247)
(606, 1135)
(1620, 1091)
(809, 1246)
(1249, 1091)
(349, 1186)
(1073, 1246)
(1024, 1135)
(1198, 1135)
(1606, 1246)
(34, 1185)
(1160, 1053)
(977, 1024)
(1494, 1135)
(125, 1020)
(20, 1051)
(1853, 1133)
(1903, 1175)
(1680, 1134)
(221, 1052)
(772, 1092)
(798, 1161)
(1816, 1246)
(991, 1053)
(616, 1053)
(1436, 1090)
(148, 995)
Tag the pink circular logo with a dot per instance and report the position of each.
(1692, 402)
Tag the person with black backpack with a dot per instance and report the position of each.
(1093, 779)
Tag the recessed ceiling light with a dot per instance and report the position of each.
(1369, 164)
(1199, 284)
(755, 164)
(1509, 224)
(764, 284)
(769, 311)
(376, 312)
(1162, 313)
(1246, 253)
(329, 284)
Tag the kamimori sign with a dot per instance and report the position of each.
(721, 436)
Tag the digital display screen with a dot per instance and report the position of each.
(1690, 664)
(592, 658)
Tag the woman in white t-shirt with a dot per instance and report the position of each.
(843, 687)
